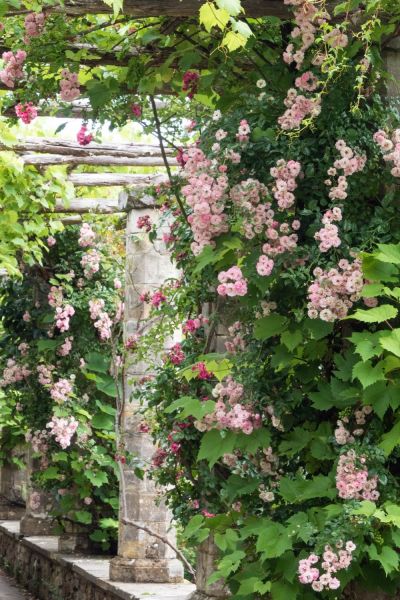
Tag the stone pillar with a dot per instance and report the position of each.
(207, 558)
(142, 557)
(74, 539)
(36, 520)
(13, 486)
(392, 64)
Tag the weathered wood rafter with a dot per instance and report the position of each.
(159, 8)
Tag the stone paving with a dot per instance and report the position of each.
(9, 589)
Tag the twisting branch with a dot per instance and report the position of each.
(164, 156)
(163, 539)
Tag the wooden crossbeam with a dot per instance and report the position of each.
(100, 161)
(82, 206)
(159, 8)
(67, 147)
(117, 179)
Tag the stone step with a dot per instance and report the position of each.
(40, 553)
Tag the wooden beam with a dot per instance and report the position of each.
(100, 161)
(160, 8)
(111, 179)
(81, 206)
(67, 147)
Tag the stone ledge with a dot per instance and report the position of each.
(37, 565)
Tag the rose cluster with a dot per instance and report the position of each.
(26, 112)
(333, 292)
(69, 86)
(232, 283)
(352, 481)
(13, 67)
(63, 430)
(332, 562)
(86, 236)
(205, 193)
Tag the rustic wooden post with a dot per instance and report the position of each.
(142, 557)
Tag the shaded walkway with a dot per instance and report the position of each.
(9, 589)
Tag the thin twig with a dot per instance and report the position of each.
(164, 156)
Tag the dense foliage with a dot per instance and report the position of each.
(276, 417)
(58, 392)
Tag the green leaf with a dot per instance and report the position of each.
(379, 314)
(233, 7)
(211, 16)
(48, 344)
(97, 362)
(284, 591)
(391, 439)
(193, 526)
(388, 253)
(387, 557)
(96, 478)
(230, 563)
(215, 444)
(103, 421)
(51, 473)
(267, 327)
(109, 523)
(299, 489)
(292, 339)
(368, 374)
(252, 585)
(273, 540)
(232, 41)
(391, 341)
(191, 407)
(83, 516)
(377, 270)
(295, 441)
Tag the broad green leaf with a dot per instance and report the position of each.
(252, 585)
(377, 270)
(388, 253)
(379, 314)
(292, 339)
(191, 407)
(391, 341)
(97, 362)
(391, 439)
(295, 441)
(48, 344)
(387, 557)
(211, 16)
(368, 374)
(97, 478)
(284, 591)
(273, 540)
(83, 516)
(103, 421)
(232, 41)
(109, 523)
(215, 444)
(298, 490)
(193, 526)
(230, 562)
(267, 327)
(233, 7)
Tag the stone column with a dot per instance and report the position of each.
(13, 487)
(142, 557)
(207, 557)
(392, 64)
(36, 520)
